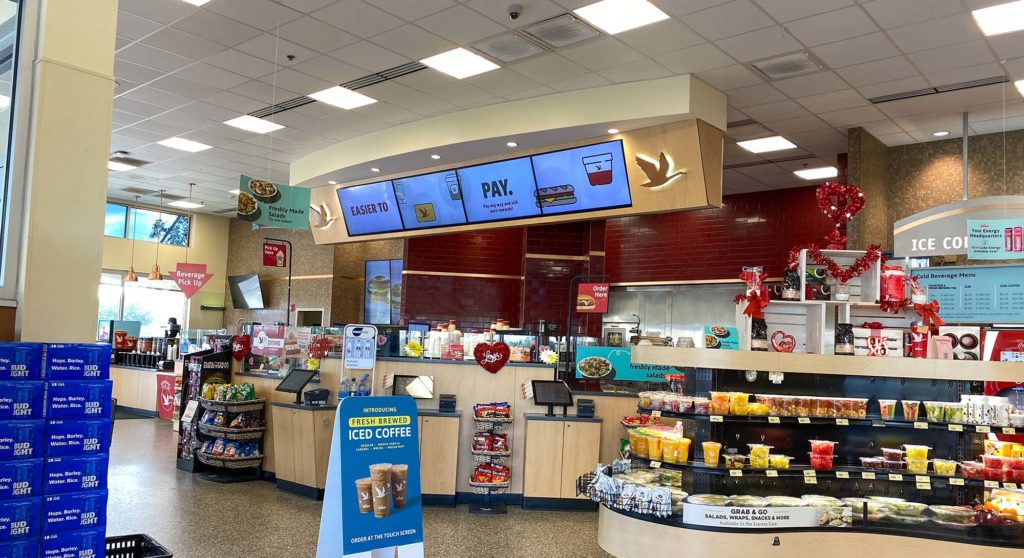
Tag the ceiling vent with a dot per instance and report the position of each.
(128, 160)
(741, 123)
(508, 47)
(994, 80)
(561, 31)
(788, 65)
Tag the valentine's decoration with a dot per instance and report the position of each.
(873, 339)
(836, 271)
(894, 283)
(754, 276)
(894, 306)
(918, 293)
(930, 314)
(755, 305)
(319, 347)
(783, 342)
(840, 203)
(492, 356)
(919, 335)
(758, 334)
(842, 292)
(240, 346)
(844, 339)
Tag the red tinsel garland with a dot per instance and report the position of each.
(894, 306)
(836, 271)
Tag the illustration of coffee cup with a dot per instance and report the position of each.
(399, 484)
(599, 169)
(380, 480)
(364, 491)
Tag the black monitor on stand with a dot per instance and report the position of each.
(553, 393)
(295, 382)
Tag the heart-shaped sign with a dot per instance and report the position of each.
(840, 202)
(783, 342)
(240, 346)
(492, 356)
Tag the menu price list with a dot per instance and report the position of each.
(976, 294)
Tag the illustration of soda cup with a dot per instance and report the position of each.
(400, 191)
(599, 169)
(452, 181)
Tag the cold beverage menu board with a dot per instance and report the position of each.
(587, 178)
(976, 294)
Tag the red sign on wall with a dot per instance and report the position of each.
(275, 255)
(268, 340)
(191, 277)
(592, 298)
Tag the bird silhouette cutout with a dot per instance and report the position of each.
(364, 496)
(399, 486)
(658, 176)
(320, 216)
(381, 491)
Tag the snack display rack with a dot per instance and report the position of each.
(487, 490)
(232, 465)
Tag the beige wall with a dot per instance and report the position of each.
(208, 245)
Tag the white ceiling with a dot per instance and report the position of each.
(183, 70)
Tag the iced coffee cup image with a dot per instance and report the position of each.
(399, 484)
(380, 481)
(364, 491)
(599, 169)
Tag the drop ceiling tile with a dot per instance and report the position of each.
(775, 111)
(266, 92)
(163, 11)
(811, 84)
(180, 42)
(969, 73)
(273, 49)
(895, 139)
(164, 128)
(460, 25)
(369, 56)
(533, 11)
(532, 92)
(788, 10)
(136, 133)
(241, 63)
(122, 119)
(835, 100)
(998, 126)
(882, 127)
(184, 87)
(426, 81)
(262, 14)
(134, 27)
(298, 82)
(229, 100)
(658, 38)
(151, 57)
(601, 53)
(305, 6)
(208, 111)
(316, 35)
(157, 97)
(137, 73)
(1010, 45)
(409, 98)
(584, 81)
(357, 17)
(694, 59)
(730, 77)
(217, 28)
(878, 71)
(743, 133)
(412, 10)
(413, 42)
(211, 75)
(953, 56)
(896, 13)
(754, 95)
(184, 118)
(797, 125)
(388, 113)
(832, 26)
(756, 45)
(928, 122)
(548, 68)
(848, 118)
(636, 71)
(674, 7)
(121, 42)
(329, 69)
(895, 86)
(462, 94)
(730, 19)
(857, 50)
(502, 82)
(948, 30)
(1012, 107)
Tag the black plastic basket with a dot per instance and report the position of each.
(135, 546)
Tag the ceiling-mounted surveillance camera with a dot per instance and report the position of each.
(514, 11)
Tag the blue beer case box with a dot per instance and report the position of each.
(21, 479)
(74, 361)
(74, 544)
(74, 437)
(20, 548)
(79, 510)
(20, 518)
(21, 400)
(21, 361)
(21, 439)
(63, 475)
(78, 399)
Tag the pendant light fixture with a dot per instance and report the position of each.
(154, 274)
(131, 277)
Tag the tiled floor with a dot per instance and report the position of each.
(198, 519)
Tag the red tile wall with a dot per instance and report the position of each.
(496, 252)
(473, 301)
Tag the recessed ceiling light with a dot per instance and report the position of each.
(435, 157)
(116, 166)
(183, 144)
(236, 191)
(374, 169)
(818, 173)
(616, 16)
(460, 63)
(340, 97)
(512, 144)
(1004, 18)
(253, 124)
(941, 133)
(332, 182)
(196, 2)
(5, 101)
(763, 145)
(184, 204)
(613, 130)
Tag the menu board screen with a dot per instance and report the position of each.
(582, 179)
(370, 209)
(976, 294)
(430, 200)
(499, 191)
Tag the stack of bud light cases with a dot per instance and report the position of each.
(55, 426)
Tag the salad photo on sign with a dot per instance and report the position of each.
(272, 205)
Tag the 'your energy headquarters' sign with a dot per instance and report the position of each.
(373, 507)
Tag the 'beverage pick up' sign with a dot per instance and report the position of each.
(190, 277)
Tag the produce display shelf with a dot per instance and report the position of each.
(876, 422)
(805, 471)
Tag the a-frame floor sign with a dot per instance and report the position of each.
(372, 504)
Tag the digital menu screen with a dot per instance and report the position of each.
(370, 209)
(499, 191)
(582, 179)
(430, 200)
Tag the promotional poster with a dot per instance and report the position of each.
(613, 363)
(273, 205)
(995, 239)
(372, 506)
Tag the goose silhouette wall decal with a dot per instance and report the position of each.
(659, 175)
(320, 216)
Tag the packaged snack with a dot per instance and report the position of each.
(499, 442)
(232, 393)
(246, 392)
(910, 409)
(209, 391)
(917, 466)
(935, 411)
(231, 449)
(916, 453)
(821, 462)
(221, 393)
(207, 447)
(719, 403)
(218, 447)
(243, 420)
(954, 412)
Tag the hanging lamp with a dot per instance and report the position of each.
(154, 274)
(131, 277)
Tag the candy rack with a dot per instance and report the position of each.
(488, 506)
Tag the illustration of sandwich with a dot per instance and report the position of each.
(585, 302)
(556, 195)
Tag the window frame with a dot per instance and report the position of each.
(123, 286)
(130, 215)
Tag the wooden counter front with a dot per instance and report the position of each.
(303, 447)
(135, 388)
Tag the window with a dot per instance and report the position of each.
(147, 302)
(146, 224)
(116, 221)
(10, 37)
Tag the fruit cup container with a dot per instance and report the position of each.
(917, 466)
(645, 399)
(719, 403)
(892, 454)
(821, 462)
(995, 461)
(887, 408)
(734, 461)
(738, 403)
(822, 447)
(778, 461)
(972, 470)
(894, 465)
(910, 409)
(916, 453)
(701, 406)
(1015, 463)
(935, 411)
(954, 412)
(944, 467)
(994, 474)
(872, 462)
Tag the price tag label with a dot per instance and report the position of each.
(810, 473)
(842, 422)
(842, 475)
(774, 420)
(924, 485)
(655, 413)
(810, 480)
(921, 426)
(804, 420)
(1009, 430)
(655, 464)
(991, 484)
(983, 429)
(735, 473)
(1010, 485)
(867, 476)
(878, 423)
(771, 473)
(956, 428)
(922, 478)
(895, 477)
(956, 482)
(716, 418)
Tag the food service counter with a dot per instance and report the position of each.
(136, 388)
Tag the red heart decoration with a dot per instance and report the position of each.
(783, 342)
(840, 202)
(240, 346)
(492, 356)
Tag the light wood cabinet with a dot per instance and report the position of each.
(303, 447)
(439, 454)
(581, 447)
(558, 451)
(134, 388)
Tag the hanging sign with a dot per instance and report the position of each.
(372, 503)
(943, 230)
(995, 239)
(592, 298)
(275, 254)
(272, 205)
(190, 277)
